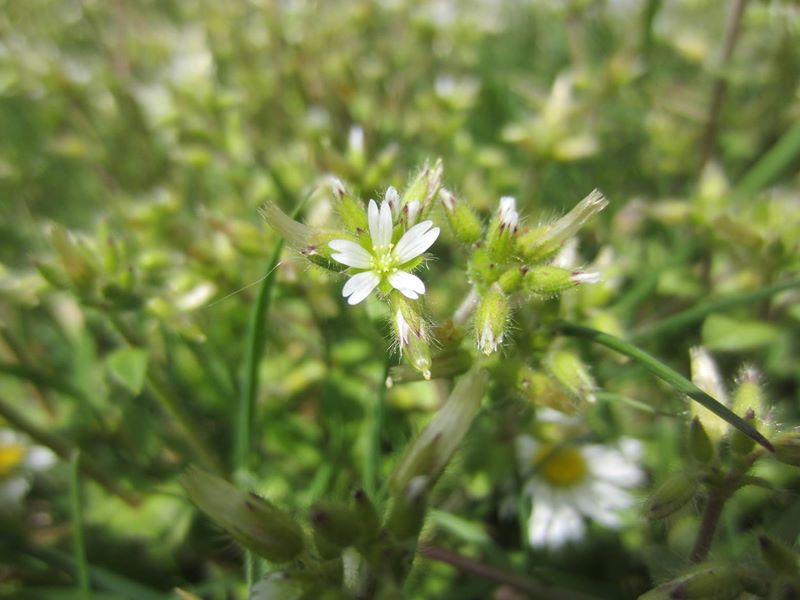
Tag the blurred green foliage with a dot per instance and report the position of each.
(139, 138)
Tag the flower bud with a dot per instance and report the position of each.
(491, 317)
(367, 515)
(706, 376)
(430, 452)
(749, 395)
(742, 444)
(572, 373)
(336, 524)
(501, 238)
(700, 446)
(543, 243)
(75, 256)
(311, 243)
(424, 187)
(672, 495)
(464, 222)
(352, 214)
(541, 390)
(779, 558)
(787, 447)
(550, 280)
(511, 280)
(706, 581)
(411, 333)
(252, 521)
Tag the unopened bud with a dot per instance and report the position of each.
(252, 521)
(543, 243)
(352, 214)
(491, 318)
(700, 446)
(463, 221)
(672, 495)
(572, 373)
(549, 280)
(787, 447)
(311, 243)
(393, 198)
(75, 256)
(542, 390)
(430, 452)
(742, 444)
(411, 333)
(779, 558)
(511, 280)
(367, 515)
(748, 394)
(706, 376)
(706, 581)
(337, 524)
(424, 187)
(501, 238)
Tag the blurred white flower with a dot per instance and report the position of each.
(18, 460)
(571, 483)
(384, 262)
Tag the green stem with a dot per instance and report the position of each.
(708, 525)
(372, 466)
(81, 566)
(720, 87)
(519, 582)
(662, 371)
(64, 450)
(254, 351)
(698, 312)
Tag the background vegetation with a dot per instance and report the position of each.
(139, 139)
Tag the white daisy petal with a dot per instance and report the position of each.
(373, 220)
(407, 284)
(360, 286)
(384, 237)
(415, 241)
(350, 254)
(539, 524)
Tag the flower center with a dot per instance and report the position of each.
(383, 261)
(562, 467)
(10, 457)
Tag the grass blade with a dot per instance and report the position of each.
(662, 371)
(698, 312)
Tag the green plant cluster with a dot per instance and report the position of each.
(183, 186)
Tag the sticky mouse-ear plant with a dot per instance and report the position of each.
(354, 548)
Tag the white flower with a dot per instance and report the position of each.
(488, 342)
(18, 461)
(384, 261)
(570, 483)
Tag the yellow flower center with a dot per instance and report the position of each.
(383, 261)
(562, 467)
(10, 457)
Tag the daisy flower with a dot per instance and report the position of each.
(571, 483)
(379, 262)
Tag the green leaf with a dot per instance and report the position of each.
(128, 367)
(729, 334)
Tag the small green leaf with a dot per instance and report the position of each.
(729, 334)
(128, 367)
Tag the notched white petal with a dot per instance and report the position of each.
(373, 220)
(407, 284)
(359, 286)
(350, 254)
(415, 241)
